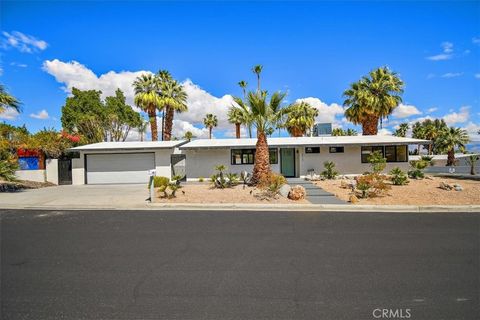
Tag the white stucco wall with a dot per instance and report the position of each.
(31, 175)
(78, 170)
(52, 170)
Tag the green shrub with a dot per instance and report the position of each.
(417, 168)
(200, 179)
(8, 166)
(223, 180)
(329, 172)
(372, 184)
(163, 184)
(377, 161)
(399, 178)
(159, 181)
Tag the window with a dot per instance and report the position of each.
(337, 150)
(273, 156)
(247, 156)
(312, 149)
(391, 153)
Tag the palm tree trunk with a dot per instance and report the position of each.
(451, 157)
(168, 123)
(370, 125)
(152, 116)
(249, 130)
(429, 149)
(258, 81)
(237, 130)
(210, 132)
(262, 158)
(163, 125)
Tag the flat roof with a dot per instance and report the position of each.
(303, 141)
(129, 145)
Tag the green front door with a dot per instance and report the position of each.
(287, 162)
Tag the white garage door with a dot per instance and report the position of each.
(119, 168)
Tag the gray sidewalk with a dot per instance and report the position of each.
(315, 194)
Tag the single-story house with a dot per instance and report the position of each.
(295, 157)
(131, 162)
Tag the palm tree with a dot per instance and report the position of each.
(147, 98)
(236, 117)
(351, 132)
(373, 98)
(173, 98)
(402, 130)
(188, 136)
(142, 129)
(258, 70)
(243, 84)
(451, 138)
(210, 121)
(8, 101)
(300, 118)
(265, 116)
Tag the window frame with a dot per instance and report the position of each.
(245, 152)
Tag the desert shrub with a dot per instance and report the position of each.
(163, 185)
(329, 172)
(428, 160)
(417, 167)
(246, 178)
(271, 182)
(398, 177)
(200, 179)
(297, 193)
(371, 185)
(159, 181)
(377, 162)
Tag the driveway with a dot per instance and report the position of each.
(140, 264)
(80, 196)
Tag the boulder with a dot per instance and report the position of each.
(297, 193)
(353, 199)
(458, 187)
(284, 190)
(445, 186)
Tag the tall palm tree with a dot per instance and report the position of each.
(373, 98)
(210, 121)
(173, 98)
(258, 70)
(265, 115)
(451, 138)
(8, 101)
(402, 130)
(300, 117)
(147, 98)
(243, 84)
(236, 117)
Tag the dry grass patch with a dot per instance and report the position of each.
(205, 193)
(417, 192)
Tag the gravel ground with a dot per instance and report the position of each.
(417, 192)
(204, 193)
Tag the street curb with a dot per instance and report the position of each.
(263, 207)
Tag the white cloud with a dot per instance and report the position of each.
(451, 75)
(180, 127)
(447, 52)
(457, 117)
(43, 114)
(476, 40)
(22, 42)
(472, 130)
(20, 65)
(405, 111)
(327, 113)
(9, 114)
(431, 110)
(477, 75)
(384, 132)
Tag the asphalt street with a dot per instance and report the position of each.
(239, 265)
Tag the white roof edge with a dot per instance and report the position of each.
(302, 141)
(129, 145)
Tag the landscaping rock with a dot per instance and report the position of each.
(458, 187)
(297, 193)
(445, 186)
(284, 190)
(353, 199)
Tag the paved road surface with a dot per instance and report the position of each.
(238, 265)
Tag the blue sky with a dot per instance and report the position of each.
(313, 50)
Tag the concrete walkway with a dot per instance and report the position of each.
(315, 194)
